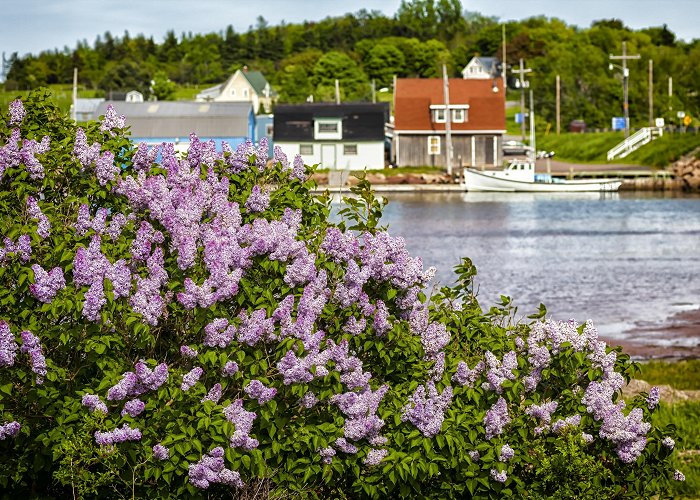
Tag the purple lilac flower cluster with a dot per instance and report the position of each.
(467, 377)
(8, 345)
(678, 475)
(31, 148)
(133, 408)
(499, 371)
(653, 398)
(243, 421)
(496, 418)
(360, 409)
(34, 211)
(187, 352)
(374, 457)
(258, 201)
(118, 435)
(160, 452)
(32, 345)
(543, 413)
(17, 112)
(191, 378)
(211, 470)
(9, 429)
(229, 369)
(141, 380)
(627, 432)
(426, 408)
(10, 156)
(257, 390)
(565, 423)
(94, 403)
(111, 120)
(499, 477)
(506, 453)
(22, 249)
(214, 394)
(326, 454)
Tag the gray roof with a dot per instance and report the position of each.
(83, 105)
(180, 118)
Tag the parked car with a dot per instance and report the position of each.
(515, 148)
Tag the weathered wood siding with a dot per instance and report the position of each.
(412, 150)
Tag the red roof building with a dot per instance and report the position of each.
(477, 121)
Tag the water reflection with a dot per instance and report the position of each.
(618, 258)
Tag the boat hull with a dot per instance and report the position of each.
(476, 180)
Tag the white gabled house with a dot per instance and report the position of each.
(242, 86)
(347, 136)
(482, 68)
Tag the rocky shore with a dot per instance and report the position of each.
(687, 170)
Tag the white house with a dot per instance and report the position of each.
(482, 68)
(242, 86)
(347, 136)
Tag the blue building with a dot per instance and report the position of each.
(155, 122)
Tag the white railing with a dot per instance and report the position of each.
(635, 141)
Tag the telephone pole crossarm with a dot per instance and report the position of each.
(625, 81)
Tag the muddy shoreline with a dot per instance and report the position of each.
(678, 337)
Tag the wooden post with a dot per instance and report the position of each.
(337, 92)
(448, 122)
(651, 93)
(558, 105)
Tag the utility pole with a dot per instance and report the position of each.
(532, 129)
(521, 73)
(625, 82)
(448, 121)
(374, 91)
(337, 92)
(670, 98)
(651, 92)
(504, 69)
(558, 104)
(75, 95)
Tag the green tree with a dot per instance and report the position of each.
(383, 62)
(162, 88)
(339, 66)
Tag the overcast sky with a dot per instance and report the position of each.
(36, 25)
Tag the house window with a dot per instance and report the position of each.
(350, 149)
(458, 115)
(439, 115)
(233, 92)
(269, 128)
(433, 144)
(328, 128)
(245, 93)
(306, 149)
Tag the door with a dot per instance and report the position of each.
(328, 156)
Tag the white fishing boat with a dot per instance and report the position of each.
(519, 176)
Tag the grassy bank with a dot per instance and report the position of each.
(685, 416)
(593, 148)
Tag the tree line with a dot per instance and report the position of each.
(368, 47)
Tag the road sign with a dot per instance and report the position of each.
(687, 120)
(680, 114)
(660, 122)
(618, 123)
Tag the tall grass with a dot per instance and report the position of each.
(681, 375)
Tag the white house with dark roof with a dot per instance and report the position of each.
(481, 68)
(346, 136)
(242, 86)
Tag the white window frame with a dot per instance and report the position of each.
(350, 149)
(458, 115)
(308, 147)
(431, 150)
(320, 135)
(437, 112)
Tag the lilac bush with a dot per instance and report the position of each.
(191, 326)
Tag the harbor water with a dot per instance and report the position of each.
(623, 260)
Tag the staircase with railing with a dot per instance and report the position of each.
(635, 141)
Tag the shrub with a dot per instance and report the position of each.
(190, 326)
